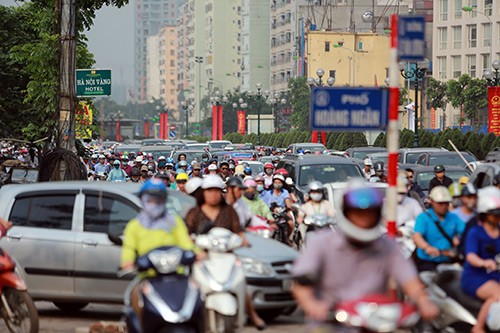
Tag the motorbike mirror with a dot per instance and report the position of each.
(115, 239)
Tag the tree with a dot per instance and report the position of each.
(299, 100)
(469, 94)
(380, 140)
(436, 94)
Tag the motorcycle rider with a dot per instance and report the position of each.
(256, 204)
(481, 275)
(408, 208)
(316, 204)
(340, 265)
(117, 174)
(440, 178)
(268, 175)
(152, 228)
(468, 198)
(379, 169)
(135, 176)
(435, 229)
(367, 170)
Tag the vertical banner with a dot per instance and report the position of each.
(323, 138)
(219, 121)
(433, 118)
(83, 121)
(161, 125)
(118, 131)
(494, 110)
(242, 125)
(165, 126)
(146, 129)
(314, 137)
(214, 122)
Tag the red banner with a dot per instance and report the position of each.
(242, 122)
(494, 110)
(118, 131)
(219, 121)
(146, 129)
(214, 122)
(161, 125)
(433, 118)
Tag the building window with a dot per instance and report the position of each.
(457, 37)
(486, 61)
(327, 46)
(488, 7)
(458, 9)
(472, 35)
(442, 67)
(442, 38)
(487, 34)
(456, 66)
(333, 73)
(471, 65)
(443, 10)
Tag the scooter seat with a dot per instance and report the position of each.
(449, 281)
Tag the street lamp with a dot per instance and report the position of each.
(259, 94)
(318, 82)
(415, 73)
(275, 101)
(353, 59)
(199, 61)
(187, 107)
(493, 78)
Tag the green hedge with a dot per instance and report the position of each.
(478, 144)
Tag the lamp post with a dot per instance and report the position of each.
(353, 59)
(187, 107)
(416, 73)
(199, 61)
(275, 101)
(493, 77)
(259, 94)
(318, 82)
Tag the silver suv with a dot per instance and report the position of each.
(60, 241)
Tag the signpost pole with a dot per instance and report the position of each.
(392, 130)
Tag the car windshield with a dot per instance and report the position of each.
(124, 149)
(256, 168)
(327, 173)
(218, 145)
(412, 158)
(452, 159)
(311, 148)
(360, 154)
(378, 158)
(190, 155)
(423, 178)
(157, 153)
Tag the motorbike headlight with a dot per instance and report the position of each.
(256, 267)
(166, 262)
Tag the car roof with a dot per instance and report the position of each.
(367, 148)
(317, 159)
(422, 149)
(427, 168)
(307, 144)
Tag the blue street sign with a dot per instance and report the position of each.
(411, 38)
(172, 134)
(349, 109)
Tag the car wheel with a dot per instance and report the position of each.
(70, 306)
(269, 315)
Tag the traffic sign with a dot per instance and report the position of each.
(172, 127)
(349, 109)
(93, 82)
(411, 38)
(172, 134)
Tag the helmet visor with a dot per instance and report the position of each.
(363, 198)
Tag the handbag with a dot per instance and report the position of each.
(457, 257)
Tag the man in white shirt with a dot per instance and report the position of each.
(367, 170)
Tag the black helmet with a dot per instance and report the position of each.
(135, 172)
(379, 166)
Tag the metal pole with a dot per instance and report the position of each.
(187, 121)
(415, 135)
(258, 119)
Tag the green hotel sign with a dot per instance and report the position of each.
(93, 82)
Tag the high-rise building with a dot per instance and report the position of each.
(466, 41)
(255, 44)
(149, 17)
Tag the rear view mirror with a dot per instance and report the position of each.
(115, 239)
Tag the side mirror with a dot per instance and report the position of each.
(115, 239)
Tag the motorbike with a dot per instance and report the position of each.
(222, 281)
(374, 313)
(281, 217)
(311, 223)
(16, 306)
(458, 309)
(168, 302)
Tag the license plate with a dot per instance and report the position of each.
(287, 284)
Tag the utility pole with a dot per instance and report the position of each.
(67, 66)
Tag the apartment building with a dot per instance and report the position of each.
(466, 39)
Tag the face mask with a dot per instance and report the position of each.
(316, 196)
(205, 160)
(456, 202)
(260, 188)
(154, 210)
(269, 171)
(401, 197)
(278, 186)
(249, 195)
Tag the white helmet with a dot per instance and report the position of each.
(488, 199)
(358, 195)
(193, 184)
(213, 181)
(316, 186)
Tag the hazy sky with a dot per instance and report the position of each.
(111, 41)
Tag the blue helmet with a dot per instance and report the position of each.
(247, 171)
(155, 188)
(170, 160)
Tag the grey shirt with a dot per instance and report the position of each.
(348, 273)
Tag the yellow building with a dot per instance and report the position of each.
(352, 59)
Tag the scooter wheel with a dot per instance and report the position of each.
(24, 314)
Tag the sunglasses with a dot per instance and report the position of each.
(223, 168)
(181, 182)
(196, 169)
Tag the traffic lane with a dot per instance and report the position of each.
(53, 320)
